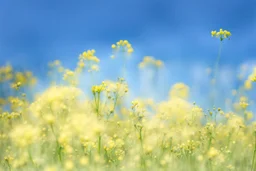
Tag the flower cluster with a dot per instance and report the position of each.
(88, 58)
(150, 61)
(222, 34)
(123, 46)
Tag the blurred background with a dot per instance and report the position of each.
(33, 33)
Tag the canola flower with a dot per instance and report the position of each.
(150, 62)
(62, 129)
(221, 34)
(124, 50)
(151, 66)
(123, 45)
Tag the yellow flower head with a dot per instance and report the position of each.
(113, 46)
(254, 79)
(221, 34)
(214, 33)
(179, 90)
(123, 46)
(150, 61)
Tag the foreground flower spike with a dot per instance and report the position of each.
(222, 34)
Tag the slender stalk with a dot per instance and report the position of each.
(210, 164)
(218, 60)
(98, 104)
(58, 146)
(216, 71)
(30, 157)
(59, 153)
(141, 137)
(9, 166)
(254, 152)
(99, 144)
(124, 67)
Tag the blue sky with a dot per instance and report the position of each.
(38, 31)
(32, 33)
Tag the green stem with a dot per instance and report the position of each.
(58, 146)
(254, 152)
(216, 70)
(30, 157)
(141, 138)
(59, 152)
(218, 60)
(210, 141)
(99, 144)
(53, 132)
(210, 164)
(98, 104)
(9, 166)
(115, 102)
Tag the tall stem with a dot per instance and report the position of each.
(254, 152)
(216, 72)
(124, 67)
(99, 144)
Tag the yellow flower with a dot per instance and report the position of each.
(94, 68)
(128, 46)
(81, 64)
(50, 119)
(254, 79)
(179, 90)
(243, 105)
(98, 88)
(213, 33)
(16, 86)
(24, 135)
(222, 34)
(159, 63)
(89, 53)
(84, 54)
(150, 61)
(84, 161)
(130, 50)
(125, 42)
(248, 84)
(69, 165)
(213, 152)
(228, 33)
(113, 46)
